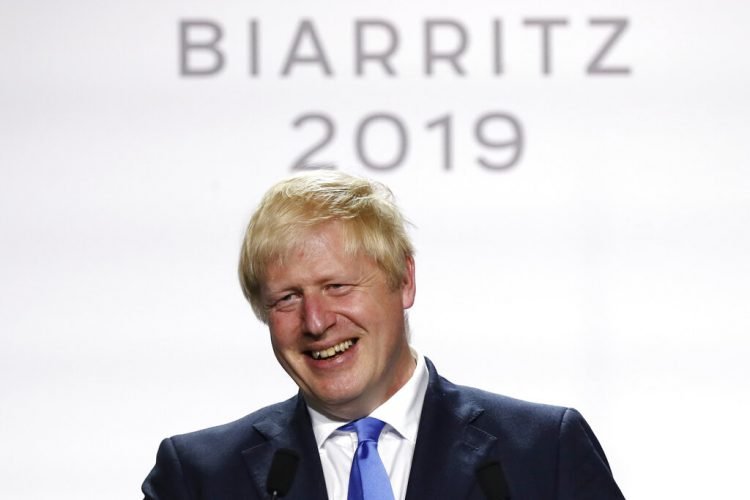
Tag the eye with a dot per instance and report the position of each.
(338, 288)
(286, 301)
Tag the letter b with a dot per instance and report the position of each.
(212, 58)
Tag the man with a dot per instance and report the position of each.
(326, 263)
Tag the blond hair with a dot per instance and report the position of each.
(372, 224)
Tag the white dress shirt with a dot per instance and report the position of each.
(401, 414)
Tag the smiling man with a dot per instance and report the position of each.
(337, 324)
(326, 263)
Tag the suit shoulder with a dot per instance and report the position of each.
(520, 425)
(491, 406)
(506, 407)
(238, 435)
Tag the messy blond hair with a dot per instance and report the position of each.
(372, 224)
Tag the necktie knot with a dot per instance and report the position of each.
(367, 429)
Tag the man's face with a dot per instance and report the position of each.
(336, 326)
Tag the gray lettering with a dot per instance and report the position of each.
(445, 123)
(318, 57)
(595, 66)
(208, 47)
(546, 25)
(514, 146)
(253, 40)
(403, 141)
(431, 55)
(329, 129)
(497, 46)
(361, 55)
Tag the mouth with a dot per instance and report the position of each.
(333, 351)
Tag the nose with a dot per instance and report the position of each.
(318, 316)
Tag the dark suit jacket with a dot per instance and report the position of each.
(546, 452)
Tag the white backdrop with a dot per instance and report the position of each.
(606, 269)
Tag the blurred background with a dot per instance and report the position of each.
(577, 176)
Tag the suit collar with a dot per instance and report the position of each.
(448, 444)
(289, 427)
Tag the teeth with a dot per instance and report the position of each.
(327, 353)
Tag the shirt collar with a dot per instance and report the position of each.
(401, 412)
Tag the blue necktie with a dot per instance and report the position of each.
(368, 479)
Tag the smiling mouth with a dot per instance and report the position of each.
(333, 350)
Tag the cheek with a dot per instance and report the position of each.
(282, 332)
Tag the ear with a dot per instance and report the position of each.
(409, 284)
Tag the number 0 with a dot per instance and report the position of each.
(403, 141)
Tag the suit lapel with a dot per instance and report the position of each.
(288, 429)
(449, 448)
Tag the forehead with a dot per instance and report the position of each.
(320, 252)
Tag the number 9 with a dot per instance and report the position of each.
(514, 145)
